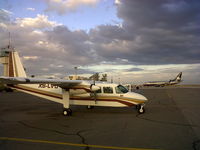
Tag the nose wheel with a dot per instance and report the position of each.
(67, 112)
(141, 109)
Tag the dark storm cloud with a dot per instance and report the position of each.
(61, 50)
(152, 32)
(135, 69)
(156, 32)
(108, 33)
(161, 14)
(75, 45)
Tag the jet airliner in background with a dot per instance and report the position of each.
(165, 83)
(67, 92)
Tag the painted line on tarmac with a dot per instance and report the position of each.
(70, 144)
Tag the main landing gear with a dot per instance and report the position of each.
(140, 108)
(89, 107)
(67, 112)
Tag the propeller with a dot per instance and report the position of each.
(93, 89)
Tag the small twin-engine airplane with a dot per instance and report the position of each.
(67, 92)
(165, 83)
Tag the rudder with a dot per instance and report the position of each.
(12, 64)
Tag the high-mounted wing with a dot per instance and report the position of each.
(59, 82)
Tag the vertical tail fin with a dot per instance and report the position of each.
(178, 77)
(12, 64)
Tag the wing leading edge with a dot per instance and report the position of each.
(23, 80)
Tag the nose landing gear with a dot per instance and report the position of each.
(140, 109)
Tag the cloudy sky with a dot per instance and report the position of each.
(131, 40)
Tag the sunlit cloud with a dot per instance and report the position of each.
(39, 22)
(30, 57)
(117, 2)
(66, 6)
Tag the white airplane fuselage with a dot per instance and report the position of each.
(80, 96)
(164, 83)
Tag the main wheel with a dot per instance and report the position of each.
(90, 107)
(67, 112)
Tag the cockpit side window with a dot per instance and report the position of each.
(120, 89)
(107, 89)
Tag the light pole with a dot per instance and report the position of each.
(76, 68)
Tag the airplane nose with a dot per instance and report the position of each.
(143, 98)
(138, 96)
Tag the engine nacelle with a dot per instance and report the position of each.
(94, 88)
(77, 91)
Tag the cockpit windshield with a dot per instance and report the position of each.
(121, 89)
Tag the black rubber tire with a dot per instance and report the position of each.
(90, 107)
(9, 90)
(67, 112)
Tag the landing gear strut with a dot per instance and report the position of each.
(141, 109)
(66, 110)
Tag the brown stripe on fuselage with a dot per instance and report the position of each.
(122, 102)
(11, 71)
(36, 91)
(60, 97)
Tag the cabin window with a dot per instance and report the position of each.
(107, 89)
(120, 89)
